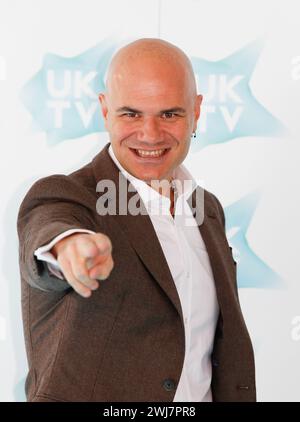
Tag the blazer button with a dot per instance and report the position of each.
(243, 387)
(169, 385)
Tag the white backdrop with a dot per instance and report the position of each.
(246, 56)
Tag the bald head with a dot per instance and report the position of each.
(150, 107)
(150, 54)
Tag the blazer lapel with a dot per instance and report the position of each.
(143, 239)
(214, 237)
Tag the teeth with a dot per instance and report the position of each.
(156, 153)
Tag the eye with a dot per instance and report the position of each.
(130, 114)
(168, 115)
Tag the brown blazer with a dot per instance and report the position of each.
(126, 342)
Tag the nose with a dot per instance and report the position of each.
(150, 129)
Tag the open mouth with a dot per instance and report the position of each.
(143, 153)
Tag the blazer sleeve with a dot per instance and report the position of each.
(53, 205)
(220, 210)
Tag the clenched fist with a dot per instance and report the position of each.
(84, 259)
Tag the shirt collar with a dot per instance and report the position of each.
(183, 183)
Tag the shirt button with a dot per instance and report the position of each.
(243, 387)
(169, 385)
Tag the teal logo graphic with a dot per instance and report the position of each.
(62, 97)
(251, 270)
(230, 109)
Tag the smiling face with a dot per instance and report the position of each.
(150, 109)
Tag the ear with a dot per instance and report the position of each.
(197, 109)
(104, 107)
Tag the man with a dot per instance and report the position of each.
(127, 306)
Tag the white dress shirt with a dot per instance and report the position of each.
(189, 264)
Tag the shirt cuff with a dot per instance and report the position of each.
(43, 253)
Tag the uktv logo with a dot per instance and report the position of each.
(230, 109)
(62, 97)
(252, 271)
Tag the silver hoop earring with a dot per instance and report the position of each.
(194, 134)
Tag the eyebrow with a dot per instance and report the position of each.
(126, 109)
